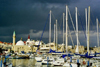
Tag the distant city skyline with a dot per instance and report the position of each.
(28, 17)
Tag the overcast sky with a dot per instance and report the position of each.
(28, 17)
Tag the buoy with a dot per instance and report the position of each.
(84, 62)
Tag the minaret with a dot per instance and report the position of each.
(28, 37)
(14, 37)
(21, 39)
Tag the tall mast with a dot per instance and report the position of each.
(76, 30)
(63, 30)
(86, 25)
(88, 29)
(56, 35)
(97, 32)
(50, 29)
(63, 27)
(66, 28)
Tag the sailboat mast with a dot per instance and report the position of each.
(97, 32)
(63, 27)
(50, 29)
(66, 28)
(86, 26)
(56, 35)
(76, 29)
(88, 29)
(63, 30)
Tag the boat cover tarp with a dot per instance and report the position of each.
(53, 51)
(22, 52)
(87, 56)
(69, 55)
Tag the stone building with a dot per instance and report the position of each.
(21, 46)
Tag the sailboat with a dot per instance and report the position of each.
(58, 62)
(38, 58)
(68, 64)
(48, 60)
(77, 47)
(97, 57)
(87, 55)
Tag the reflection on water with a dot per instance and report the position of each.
(23, 62)
(26, 63)
(31, 63)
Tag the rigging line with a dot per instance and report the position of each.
(71, 19)
(92, 15)
(98, 23)
(93, 19)
(53, 16)
(71, 36)
(60, 24)
(72, 23)
(55, 19)
(92, 24)
(43, 30)
(82, 26)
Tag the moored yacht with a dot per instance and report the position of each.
(58, 61)
(48, 60)
(38, 58)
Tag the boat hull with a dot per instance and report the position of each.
(38, 59)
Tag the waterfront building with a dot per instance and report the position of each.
(47, 47)
(1, 44)
(30, 42)
(23, 46)
(96, 49)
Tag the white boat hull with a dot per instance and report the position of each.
(58, 62)
(45, 62)
(38, 59)
(68, 64)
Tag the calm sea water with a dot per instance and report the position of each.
(30, 63)
(27, 63)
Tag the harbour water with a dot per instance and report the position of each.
(31, 63)
(26, 63)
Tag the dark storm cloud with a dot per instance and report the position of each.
(25, 15)
(57, 1)
(19, 12)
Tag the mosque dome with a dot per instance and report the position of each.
(20, 42)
